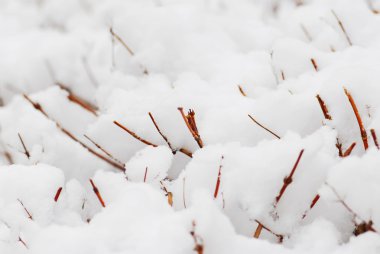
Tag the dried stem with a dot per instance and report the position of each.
(289, 179)
(174, 151)
(358, 118)
(265, 128)
(134, 134)
(23, 242)
(374, 137)
(339, 146)
(167, 193)
(26, 210)
(26, 152)
(97, 193)
(283, 75)
(198, 241)
(242, 91)
(78, 100)
(349, 150)
(218, 179)
(39, 108)
(280, 237)
(57, 194)
(314, 63)
(191, 125)
(103, 150)
(313, 203)
(258, 230)
(342, 27)
(145, 174)
(324, 108)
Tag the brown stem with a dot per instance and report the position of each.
(145, 174)
(315, 65)
(167, 193)
(218, 179)
(23, 242)
(38, 107)
(134, 134)
(242, 91)
(97, 193)
(374, 137)
(265, 128)
(182, 150)
(280, 237)
(198, 241)
(358, 118)
(103, 150)
(306, 32)
(57, 194)
(349, 150)
(342, 27)
(324, 108)
(191, 125)
(26, 210)
(313, 203)
(26, 152)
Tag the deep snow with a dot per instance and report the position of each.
(224, 60)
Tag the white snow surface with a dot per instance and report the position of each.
(192, 54)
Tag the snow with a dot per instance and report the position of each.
(155, 189)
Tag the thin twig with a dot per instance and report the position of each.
(198, 241)
(57, 194)
(363, 132)
(145, 174)
(349, 150)
(23, 242)
(342, 27)
(174, 151)
(97, 193)
(324, 108)
(167, 193)
(26, 210)
(39, 108)
(26, 152)
(313, 203)
(242, 91)
(146, 142)
(265, 128)
(279, 236)
(103, 150)
(306, 32)
(374, 137)
(191, 125)
(217, 185)
(314, 63)
(183, 192)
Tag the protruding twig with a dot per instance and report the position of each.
(26, 152)
(265, 128)
(339, 146)
(363, 132)
(198, 241)
(242, 91)
(306, 32)
(349, 150)
(167, 193)
(257, 234)
(57, 194)
(146, 142)
(313, 203)
(145, 174)
(39, 108)
(314, 63)
(258, 230)
(289, 179)
(283, 75)
(342, 27)
(191, 125)
(174, 151)
(23, 242)
(103, 150)
(324, 108)
(218, 179)
(97, 193)
(78, 100)
(26, 210)
(374, 137)
(119, 39)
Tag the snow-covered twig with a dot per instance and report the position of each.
(78, 100)
(342, 27)
(191, 125)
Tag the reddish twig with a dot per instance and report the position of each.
(174, 151)
(358, 118)
(97, 193)
(349, 150)
(57, 194)
(324, 108)
(198, 241)
(78, 100)
(289, 179)
(26, 210)
(339, 146)
(26, 152)
(279, 236)
(191, 125)
(134, 134)
(342, 27)
(218, 179)
(103, 150)
(38, 107)
(265, 128)
(314, 64)
(374, 137)
(167, 193)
